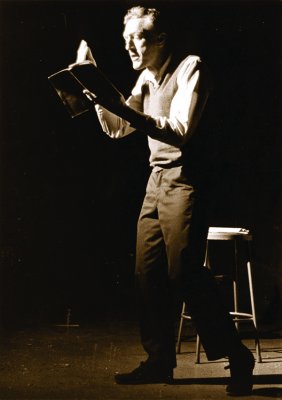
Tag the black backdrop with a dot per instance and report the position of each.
(70, 196)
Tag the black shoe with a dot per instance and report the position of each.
(145, 373)
(241, 370)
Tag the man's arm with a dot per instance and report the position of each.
(186, 109)
(115, 123)
(187, 105)
(120, 118)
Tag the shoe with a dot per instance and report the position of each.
(145, 373)
(241, 370)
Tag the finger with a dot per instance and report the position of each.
(82, 51)
(90, 95)
(90, 57)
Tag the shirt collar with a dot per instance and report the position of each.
(155, 79)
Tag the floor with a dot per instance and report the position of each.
(78, 362)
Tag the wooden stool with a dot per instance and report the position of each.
(235, 235)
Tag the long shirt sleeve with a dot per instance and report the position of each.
(186, 106)
(173, 128)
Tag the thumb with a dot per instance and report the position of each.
(82, 51)
(89, 56)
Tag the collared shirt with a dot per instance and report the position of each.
(186, 105)
(155, 79)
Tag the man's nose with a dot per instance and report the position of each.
(129, 44)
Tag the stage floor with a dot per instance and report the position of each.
(79, 362)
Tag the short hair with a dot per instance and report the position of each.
(152, 14)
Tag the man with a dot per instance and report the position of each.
(167, 104)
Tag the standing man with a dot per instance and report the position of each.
(167, 104)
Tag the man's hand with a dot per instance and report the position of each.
(84, 53)
(115, 105)
(115, 102)
(90, 95)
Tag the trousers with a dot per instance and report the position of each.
(171, 239)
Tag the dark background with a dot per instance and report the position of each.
(70, 196)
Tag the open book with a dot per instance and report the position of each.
(70, 83)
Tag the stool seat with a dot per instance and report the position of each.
(219, 233)
(235, 235)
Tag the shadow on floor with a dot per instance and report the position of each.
(258, 380)
(275, 392)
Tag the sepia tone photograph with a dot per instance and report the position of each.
(140, 200)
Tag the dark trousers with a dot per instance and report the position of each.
(171, 239)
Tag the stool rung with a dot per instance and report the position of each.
(186, 316)
(245, 316)
(241, 314)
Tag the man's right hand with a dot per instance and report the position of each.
(84, 53)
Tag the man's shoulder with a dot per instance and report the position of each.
(190, 59)
(190, 64)
(181, 63)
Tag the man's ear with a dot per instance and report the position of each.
(162, 38)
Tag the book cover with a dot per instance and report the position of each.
(70, 91)
(70, 83)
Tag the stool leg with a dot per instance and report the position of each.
(258, 351)
(235, 280)
(198, 348)
(207, 261)
(198, 340)
(178, 344)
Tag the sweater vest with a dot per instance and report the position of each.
(156, 103)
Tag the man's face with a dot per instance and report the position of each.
(142, 43)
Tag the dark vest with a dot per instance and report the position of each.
(156, 103)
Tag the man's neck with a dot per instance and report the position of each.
(155, 75)
(156, 68)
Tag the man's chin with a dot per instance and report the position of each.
(137, 65)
